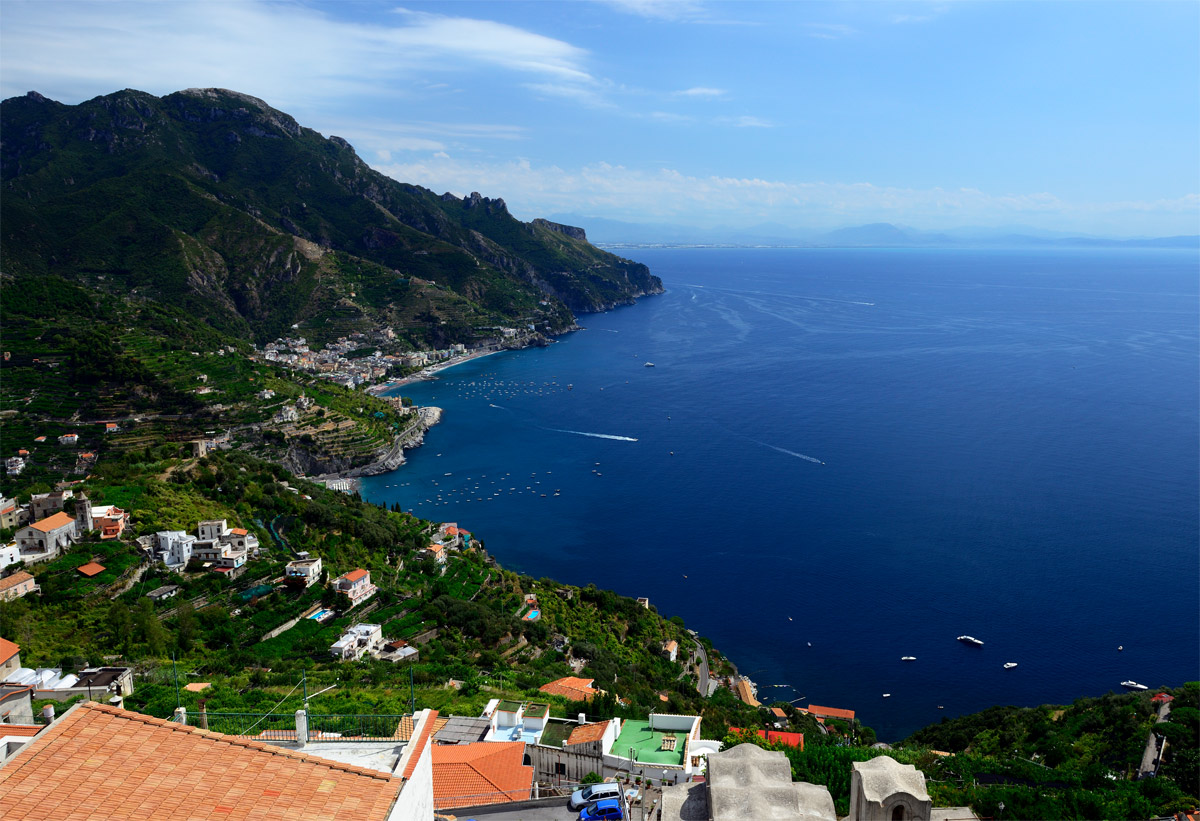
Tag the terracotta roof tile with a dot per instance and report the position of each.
(91, 569)
(21, 730)
(123, 765)
(480, 773)
(572, 687)
(53, 522)
(421, 741)
(831, 712)
(14, 579)
(587, 732)
(354, 575)
(7, 650)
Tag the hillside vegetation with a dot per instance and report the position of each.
(214, 202)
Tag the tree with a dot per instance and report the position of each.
(185, 626)
(151, 629)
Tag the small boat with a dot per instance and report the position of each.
(1133, 685)
(971, 640)
(887, 695)
(908, 658)
(1120, 647)
(1008, 665)
(649, 365)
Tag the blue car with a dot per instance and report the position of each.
(606, 808)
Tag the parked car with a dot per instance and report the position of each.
(594, 792)
(606, 809)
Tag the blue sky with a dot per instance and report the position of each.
(1072, 116)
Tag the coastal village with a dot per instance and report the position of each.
(522, 752)
(513, 752)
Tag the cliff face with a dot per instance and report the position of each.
(212, 200)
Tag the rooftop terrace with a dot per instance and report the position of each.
(647, 744)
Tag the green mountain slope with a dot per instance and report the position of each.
(215, 202)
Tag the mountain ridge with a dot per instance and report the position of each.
(212, 199)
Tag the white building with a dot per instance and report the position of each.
(359, 640)
(174, 547)
(47, 538)
(213, 529)
(305, 570)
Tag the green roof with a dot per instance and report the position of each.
(556, 733)
(509, 706)
(537, 710)
(647, 744)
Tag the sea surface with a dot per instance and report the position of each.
(842, 457)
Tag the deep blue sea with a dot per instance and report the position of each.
(872, 451)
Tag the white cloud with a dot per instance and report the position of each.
(745, 121)
(290, 55)
(701, 91)
(667, 194)
(658, 9)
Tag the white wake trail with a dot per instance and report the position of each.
(812, 459)
(596, 435)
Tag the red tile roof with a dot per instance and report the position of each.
(14, 580)
(831, 712)
(53, 522)
(238, 531)
(101, 763)
(587, 732)
(572, 687)
(790, 739)
(7, 650)
(21, 730)
(354, 575)
(421, 741)
(485, 772)
(778, 712)
(91, 569)
(1159, 697)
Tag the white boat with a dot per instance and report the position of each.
(970, 640)
(887, 695)
(908, 658)
(1008, 665)
(649, 364)
(1133, 685)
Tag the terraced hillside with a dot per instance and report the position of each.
(214, 202)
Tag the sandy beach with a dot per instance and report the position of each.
(429, 372)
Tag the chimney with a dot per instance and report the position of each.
(48, 713)
(582, 718)
(203, 714)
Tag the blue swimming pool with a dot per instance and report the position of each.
(320, 614)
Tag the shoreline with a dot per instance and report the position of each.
(429, 372)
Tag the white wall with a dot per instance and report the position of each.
(415, 802)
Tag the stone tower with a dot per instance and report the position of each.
(83, 515)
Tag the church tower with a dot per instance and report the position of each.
(83, 516)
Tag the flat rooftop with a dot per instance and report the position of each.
(647, 744)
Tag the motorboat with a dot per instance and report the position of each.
(1133, 685)
(908, 658)
(649, 365)
(1008, 665)
(971, 640)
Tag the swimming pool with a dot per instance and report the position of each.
(532, 615)
(320, 614)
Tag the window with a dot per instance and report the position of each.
(898, 813)
(560, 768)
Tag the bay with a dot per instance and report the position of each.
(868, 451)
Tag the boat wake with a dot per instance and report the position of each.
(612, 436)
(812, 459)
